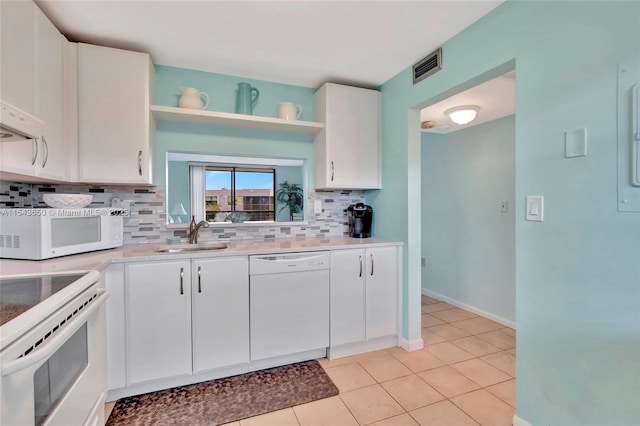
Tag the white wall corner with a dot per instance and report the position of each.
(413, 345)
(517, 421)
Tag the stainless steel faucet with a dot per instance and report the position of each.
(194, 228)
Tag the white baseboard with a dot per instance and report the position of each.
(349, 349)
(409, 346)
(454, 302)
(517, 421)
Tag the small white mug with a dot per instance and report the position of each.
(289, 111)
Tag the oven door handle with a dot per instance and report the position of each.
(46, 350)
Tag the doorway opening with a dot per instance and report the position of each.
(467, 220)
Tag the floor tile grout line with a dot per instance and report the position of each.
(469, 414)
(502, 399)
(443, 396)
(349, 409)
(294, 411)
(418, 376)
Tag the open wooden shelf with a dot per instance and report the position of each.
(185, 115)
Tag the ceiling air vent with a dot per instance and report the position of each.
(428, 65)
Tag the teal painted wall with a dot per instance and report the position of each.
(468, 243)
(227, 140)
(578, 272)
(178, 188)
(222, 91)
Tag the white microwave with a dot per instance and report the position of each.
(37, 234)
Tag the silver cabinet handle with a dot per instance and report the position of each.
(371, 264)
(360, 258)
(35, 151)
(332, 170)
(140, 163)
(181, 280)
(199, 279)
(46, 151)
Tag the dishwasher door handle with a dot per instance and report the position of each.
(288, 258)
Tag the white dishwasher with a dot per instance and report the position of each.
(289, 303)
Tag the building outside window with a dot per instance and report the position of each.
(246, 191)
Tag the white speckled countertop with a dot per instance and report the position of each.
(146, 252)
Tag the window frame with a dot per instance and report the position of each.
(238, 200)
(191, 158)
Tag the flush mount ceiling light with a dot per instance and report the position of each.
(462, 114)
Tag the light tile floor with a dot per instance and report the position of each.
(465, 375)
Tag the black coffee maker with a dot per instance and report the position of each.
(360, 216)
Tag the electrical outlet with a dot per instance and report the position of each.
(423, 262)
(317, 206)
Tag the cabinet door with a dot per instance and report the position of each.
(158, 320)
(113, 111)
(382, 291)
(220, 291)
(52, 155)
(116, 327)
(351, 138)
(17, 65)
(347, 297)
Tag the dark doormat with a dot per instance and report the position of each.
(227, 400)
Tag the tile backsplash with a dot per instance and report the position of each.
(147, 220)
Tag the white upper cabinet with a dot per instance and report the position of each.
(115, 127)
(347, 151)
(31, 80)
(49, 94)
(17, 67)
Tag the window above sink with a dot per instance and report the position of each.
(234, 190)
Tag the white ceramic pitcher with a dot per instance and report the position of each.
(192, 98)
(289, 111)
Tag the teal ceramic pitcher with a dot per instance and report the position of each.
(247, 98)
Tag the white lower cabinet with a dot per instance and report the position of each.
(181, 317)
(220, 300)
(364, 295)
(347, 297)
(158, 320)
(180, 321)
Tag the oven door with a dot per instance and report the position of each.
(55, 374)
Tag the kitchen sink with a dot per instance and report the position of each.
(192, 247)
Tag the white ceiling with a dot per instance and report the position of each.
(303, 43)
(496, 99)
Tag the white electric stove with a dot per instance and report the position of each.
(52, 349)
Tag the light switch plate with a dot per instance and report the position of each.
(575, 143)
(535, 208)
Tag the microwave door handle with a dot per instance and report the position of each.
(47, 349)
